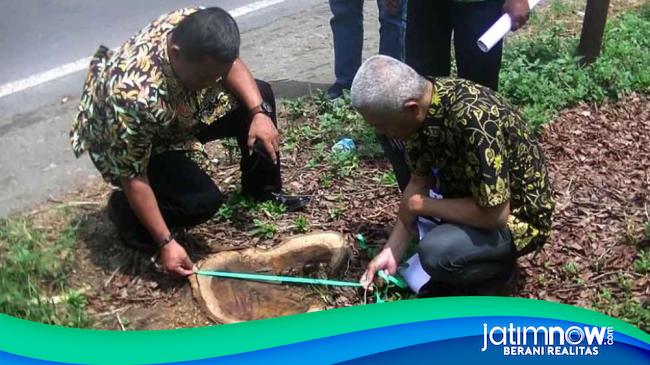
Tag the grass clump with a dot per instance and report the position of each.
(34, 273)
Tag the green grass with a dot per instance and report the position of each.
(386, 178)
(642, 262)
(264, 229)
(335, 120)
(272, 209)
(301, 224)
(623, 306)
(226, 212)
(240, 203)
(541, 73)
(34, 271)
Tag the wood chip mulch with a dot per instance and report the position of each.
(598, 158)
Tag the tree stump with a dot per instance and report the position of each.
(234, 300)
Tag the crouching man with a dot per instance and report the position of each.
(147, 109)
(477, 171)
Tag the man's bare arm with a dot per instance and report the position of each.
(462, 210)
(400, 236)
(240, 81)
(143, 202)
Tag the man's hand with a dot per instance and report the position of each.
(175, 259)
(385, 260)
(518, 11)
(263, 130)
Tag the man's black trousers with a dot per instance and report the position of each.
(186, 194)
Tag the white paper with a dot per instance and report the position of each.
(414, 274)
(499, 30)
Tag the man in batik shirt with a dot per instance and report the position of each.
(148, 107)
(466, 143)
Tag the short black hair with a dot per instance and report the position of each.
(209, 32)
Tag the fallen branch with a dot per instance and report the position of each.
(119, 320)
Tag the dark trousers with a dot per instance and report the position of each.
(347, 30)
(461, 255)
(186, 194)
(429, 34)
(429, 30)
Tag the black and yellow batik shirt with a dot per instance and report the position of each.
(134, 107)
(476, 144)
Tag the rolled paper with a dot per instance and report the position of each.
(499, 30)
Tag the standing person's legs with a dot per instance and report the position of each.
(186, 196)
(427, 49)
(470, 20)
(457, 254)
(428, 37)
(260, 176)
(347, 31)
(391, 43)
(392, 27)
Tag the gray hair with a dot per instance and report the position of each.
(384, 84)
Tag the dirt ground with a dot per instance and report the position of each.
(598, 158)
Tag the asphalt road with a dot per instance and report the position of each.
(39, 35)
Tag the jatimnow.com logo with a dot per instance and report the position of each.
(547, 340)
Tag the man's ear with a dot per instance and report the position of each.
(175, 50)
(412, 108)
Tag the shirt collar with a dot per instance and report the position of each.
(435, 105)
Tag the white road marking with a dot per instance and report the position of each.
(79, 65)
(258, 5)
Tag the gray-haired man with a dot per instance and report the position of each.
(469, 145)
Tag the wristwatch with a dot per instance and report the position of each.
(165, 241)
(264, 108)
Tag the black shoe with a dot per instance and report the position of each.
(129, 235)
(336, 91)
(292, 202)
(436, 289)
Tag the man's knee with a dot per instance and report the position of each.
(463, 254)
(440, 249)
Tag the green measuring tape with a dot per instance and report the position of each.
(277, 278)
(301, 280)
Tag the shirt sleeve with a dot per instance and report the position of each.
(127, 147)
(487, 156)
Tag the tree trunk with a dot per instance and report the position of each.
(593, 28)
